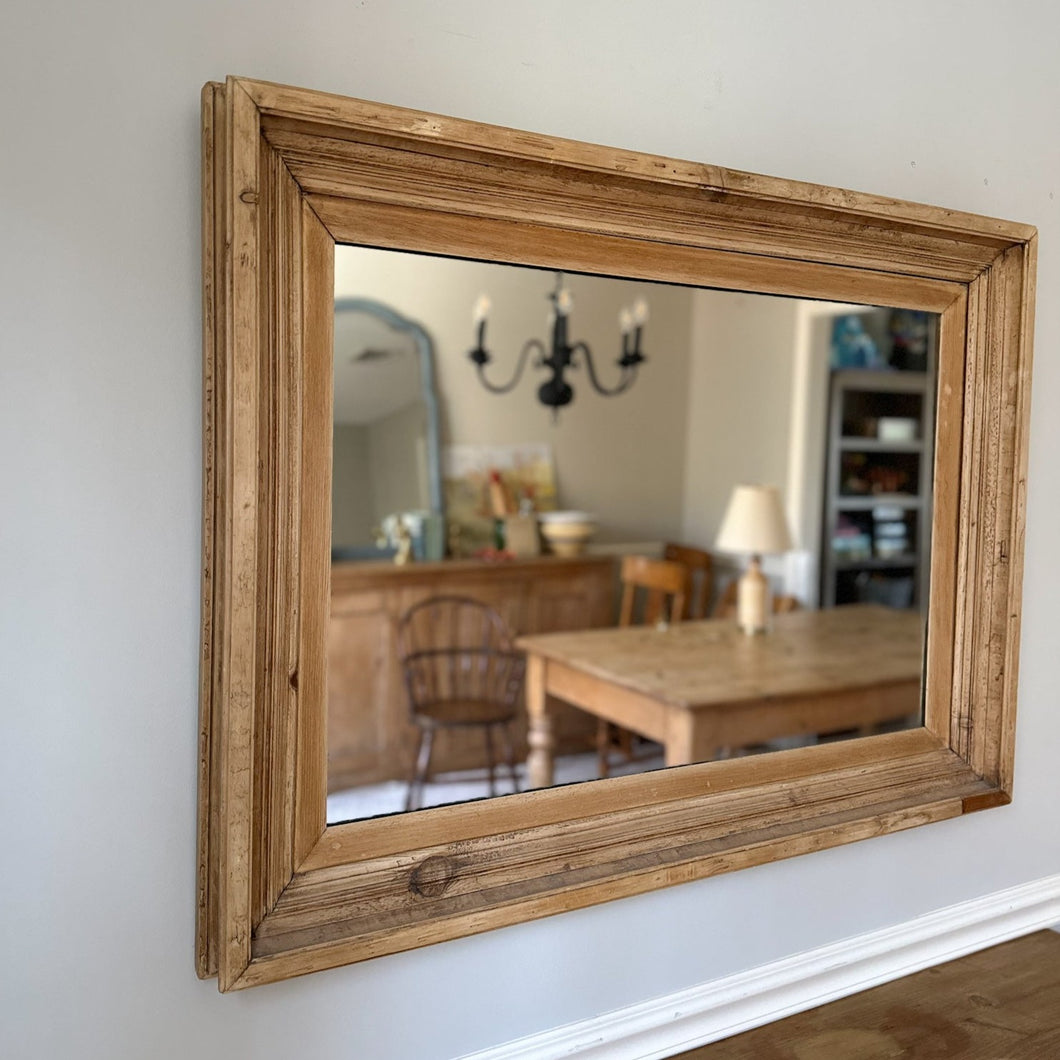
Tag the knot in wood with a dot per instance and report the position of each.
(431, 878)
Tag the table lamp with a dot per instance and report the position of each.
(754, 522)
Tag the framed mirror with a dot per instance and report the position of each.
(733, 387)
(289, 175)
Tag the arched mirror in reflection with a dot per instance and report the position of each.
(566, 523)
(385, 453)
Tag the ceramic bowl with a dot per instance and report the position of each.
(567, 532)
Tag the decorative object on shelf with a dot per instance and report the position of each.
(754, 523)
(567, 533)
(423, 531)
(501, 505)
(910, 331)
(852, 345)
(521, 536)
(890, 533)
(404, 543)
(896, 429)
(864, 473)
(526, 472)
(556, 392)
(878, 484)
(850, 541)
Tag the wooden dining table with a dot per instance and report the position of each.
(699, 688)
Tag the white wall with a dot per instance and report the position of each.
(952, 103)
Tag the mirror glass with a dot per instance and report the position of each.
(801, 596)
(385, 434)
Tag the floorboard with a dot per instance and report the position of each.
(1002, 1003)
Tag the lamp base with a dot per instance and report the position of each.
(752, 599)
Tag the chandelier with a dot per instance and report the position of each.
(555, 391)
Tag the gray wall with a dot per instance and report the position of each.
(397, 457)
(351, 486)
(377, 469)
(100, 428)
(621, 458)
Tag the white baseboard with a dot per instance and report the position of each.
(654, 1030)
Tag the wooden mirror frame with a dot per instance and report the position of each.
(289, 172)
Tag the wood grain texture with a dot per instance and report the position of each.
(285, 173)
(239, 854)
(307, 673)
(426, 133)
(697, 665)
(553, 806)
(403, 226)
(357, 911)
(279, 393)
(214, 454)
(946, 514)
(991, 519)
(698, 687)
(1000, 1002)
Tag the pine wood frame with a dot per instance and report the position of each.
(286, 173)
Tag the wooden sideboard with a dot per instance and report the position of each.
(370, 738)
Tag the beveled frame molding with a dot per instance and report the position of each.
(286, 174)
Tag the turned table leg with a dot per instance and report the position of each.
(539, 734)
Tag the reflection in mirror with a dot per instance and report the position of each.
(600, 598)
(385, 438)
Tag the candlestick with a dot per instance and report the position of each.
(480, 315)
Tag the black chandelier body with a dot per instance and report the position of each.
(555, 392)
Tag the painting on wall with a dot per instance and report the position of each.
(482, 482)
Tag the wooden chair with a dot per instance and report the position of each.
(460, 672)
(656, 581)
(726, 605)
(663, 587)
(700, 567)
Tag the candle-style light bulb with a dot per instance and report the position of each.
(625, 321)
(481, 310)
(640, 312)
(564, 302)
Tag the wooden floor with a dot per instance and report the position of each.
(998, 1004)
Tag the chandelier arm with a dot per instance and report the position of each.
(524, 353)
(625, 380)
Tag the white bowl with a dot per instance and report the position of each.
(567, 533)
(569, 516)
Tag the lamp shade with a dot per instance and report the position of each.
(754, 522)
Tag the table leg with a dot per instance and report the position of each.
(688, 739)
(539, 734)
